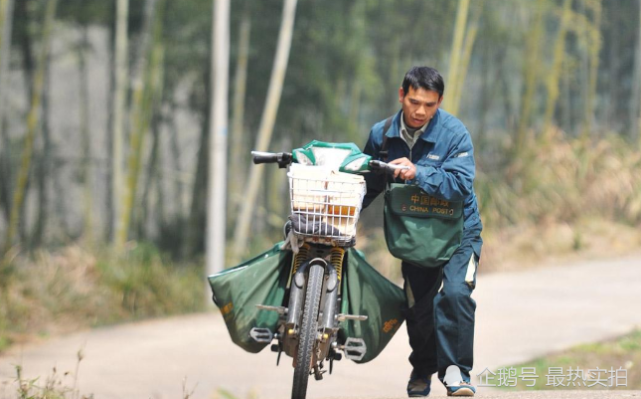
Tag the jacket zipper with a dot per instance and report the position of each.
(411, 160)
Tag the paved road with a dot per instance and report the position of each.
(520, 315)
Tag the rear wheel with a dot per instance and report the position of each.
(307, 336)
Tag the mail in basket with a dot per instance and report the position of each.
(325, 204)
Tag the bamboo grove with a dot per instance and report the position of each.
(104, 107)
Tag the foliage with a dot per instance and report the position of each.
(623, 352)
(346, 64)
(563, 179)
(54, 292)
(55, 385)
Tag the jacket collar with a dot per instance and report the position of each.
(430, 134)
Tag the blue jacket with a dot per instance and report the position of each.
(444, 159)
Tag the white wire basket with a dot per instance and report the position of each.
(325, 204)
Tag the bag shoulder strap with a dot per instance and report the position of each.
(383, 151)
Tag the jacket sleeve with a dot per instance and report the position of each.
(375, 183)
(453, 179)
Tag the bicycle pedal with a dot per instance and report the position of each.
(355, 348)
(261, 335)
(355, 317)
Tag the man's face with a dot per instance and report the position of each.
(419, 106)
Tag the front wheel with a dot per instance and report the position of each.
(307, 336)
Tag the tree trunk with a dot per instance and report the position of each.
(462, 69)
(531, 67)
(6, 22)
(44, 172)
(193, 241)
(613, 59)
(557, 65)
(153, 165)
(267, 123)
(455, 55)
(87, 170)
(146, 206)
(638, 63)
(32, 124)
(635, 104)
(180, 198)
(238, 147)
(137, 125)
(118, 127)
(5, 175)
(595, 40)
(217, 179)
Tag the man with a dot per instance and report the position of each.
(437, 149)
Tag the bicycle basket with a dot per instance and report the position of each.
(325, 204)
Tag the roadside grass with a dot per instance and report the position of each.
(561, 199)
(559, 371)
(50, 293)
(57, 385)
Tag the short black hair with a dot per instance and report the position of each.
(424, 77)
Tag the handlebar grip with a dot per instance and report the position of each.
(264, 157)
(380, 166)
(281, 158)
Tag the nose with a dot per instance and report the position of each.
(420, 111)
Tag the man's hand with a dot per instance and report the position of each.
(407, 174)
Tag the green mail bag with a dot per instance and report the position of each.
(237, 291)
(366, 292)
(419, 228)
(263, 280)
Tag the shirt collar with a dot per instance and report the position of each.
(427, 131)
(419, 131)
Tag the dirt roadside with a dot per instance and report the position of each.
(520, 315)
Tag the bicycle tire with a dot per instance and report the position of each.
(307, 336)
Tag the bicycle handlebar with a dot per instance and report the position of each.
(281, 158)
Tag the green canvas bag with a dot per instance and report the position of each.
(237, 291)
(366, 292)
(262, 280)
(419, 228)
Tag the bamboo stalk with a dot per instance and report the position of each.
(6, 21)
(530, 71)
(470, 38)
(238, 149)
(594, 49)
(552, 83)
(267, 123)
(639, 73)
(118, 127)
(137, 126)
(85, 136)
(457, 44)
(32, 125)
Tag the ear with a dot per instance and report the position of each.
(401, 95)
(440, 100)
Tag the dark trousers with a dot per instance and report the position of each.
(440, 318)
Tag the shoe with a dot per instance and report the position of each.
(463, 388)
(419, 386)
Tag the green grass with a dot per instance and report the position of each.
(622, 353)
(58, 292)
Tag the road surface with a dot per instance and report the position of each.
(520, 315)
